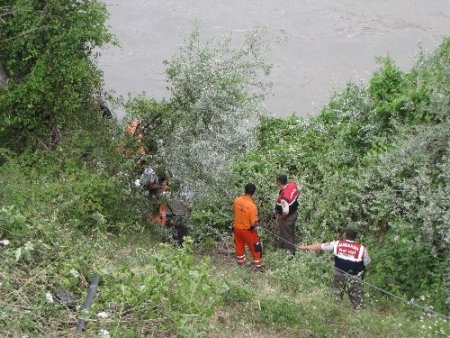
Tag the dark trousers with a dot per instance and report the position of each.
(179, 226)
(286, 227)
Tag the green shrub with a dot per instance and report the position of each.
(236, 294)
(282, 313)
(12, 223)
(176, 289)
(49, 91)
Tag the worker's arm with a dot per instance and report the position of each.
(312, 247)
(328, 247)
(366, 258)
(284, 209)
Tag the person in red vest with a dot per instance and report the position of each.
(286, 209)
(350, 261)
(245, 222)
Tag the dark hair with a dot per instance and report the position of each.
(282, 178)
(350, 234)
(250, 189)
(162, 178)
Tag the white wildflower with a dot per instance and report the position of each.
(18, 254)
(29, 246)
(104, 333)
(5, 242)
(49, 297)
(102, 315)
(75, 273)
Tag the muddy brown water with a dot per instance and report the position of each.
(329, 42)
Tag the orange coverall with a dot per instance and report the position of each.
(245, 218)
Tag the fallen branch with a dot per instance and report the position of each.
(42, 143)
(81, 326)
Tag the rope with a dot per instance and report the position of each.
(423, 308)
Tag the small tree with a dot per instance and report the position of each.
(47, 51)
(217, 95)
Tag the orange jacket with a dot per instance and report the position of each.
(132, 127)
(161, 218)
(245, 212)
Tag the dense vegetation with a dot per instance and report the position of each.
(377, 156)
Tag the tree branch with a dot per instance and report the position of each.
(24, 33)
(42, 143)
(3, 76)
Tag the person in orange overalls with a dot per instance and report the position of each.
(245, 222)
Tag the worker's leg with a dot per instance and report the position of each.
(338, 285)
(180, 229)
(239, 246)
(287, 233)
(355, 291)
(254, 244)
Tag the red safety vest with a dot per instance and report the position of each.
(290, 194)
(348, 256)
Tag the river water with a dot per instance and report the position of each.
(329, 42)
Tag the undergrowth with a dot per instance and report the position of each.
(152, 289)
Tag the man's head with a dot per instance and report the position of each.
(281, 179)
(249, 189)
(351, 233)
(164, 182)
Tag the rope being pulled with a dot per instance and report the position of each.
(409, 303)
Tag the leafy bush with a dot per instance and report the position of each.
(12, 223)
(176, 289)
(209, 120)
(51, 184)
(49, 90)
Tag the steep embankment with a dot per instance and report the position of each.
(151, 289)
(377, 156)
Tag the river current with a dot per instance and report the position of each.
(329, 42)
